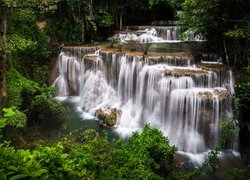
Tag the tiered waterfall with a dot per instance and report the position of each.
(186, 100)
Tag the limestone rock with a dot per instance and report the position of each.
(108, 117)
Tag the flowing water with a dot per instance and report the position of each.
(158, 34)
(187, 99)
(186, 102)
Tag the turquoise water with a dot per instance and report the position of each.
(175, 47)
(169, 47)
(77, 120)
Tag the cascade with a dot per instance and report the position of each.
(150, 33)
(186, 100)
(157, 34)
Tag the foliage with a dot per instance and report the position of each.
(198, 16)
(44, 109)
(61, 31)
(144, 155)
(155, 2)
(240, 174)
(243, 89)
(104, 18)
(14, 117)
(20, 90)
(41, 6)
(240, 32)
(16, 43)
(26, 46)
(225, 24)
(32, 99)
(176, 3)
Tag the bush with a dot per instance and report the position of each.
(142, 156)
(14, 117)
(20, 90)
(43, 109)
(147, 155)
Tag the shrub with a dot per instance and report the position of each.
(146, 155)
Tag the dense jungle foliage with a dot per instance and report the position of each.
(31, 33)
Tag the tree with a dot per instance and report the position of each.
(83, 14)
(3, 28)
(224, 22)
(144, 156)
(199, 16)
(43, 6)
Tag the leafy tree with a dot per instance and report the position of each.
(198, 15)
(225, 23)
(176, 3)
(26, 46)
(41, 6)
(146, 155)
(83, 14)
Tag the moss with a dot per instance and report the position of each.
(108, 117)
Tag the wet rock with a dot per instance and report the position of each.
(91, 57)
(184, 72)
(108, 117)
(222, 94)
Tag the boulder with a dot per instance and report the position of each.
(108, 117)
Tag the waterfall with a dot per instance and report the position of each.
(185, 101)
(151, 33)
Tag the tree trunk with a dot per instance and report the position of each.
(120, 27)
(90, 5)
(83, 31)
(3, 28)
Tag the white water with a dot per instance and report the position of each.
(157, 34)
(186, 103)
(151, 34)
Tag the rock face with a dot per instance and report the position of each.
(108, 117)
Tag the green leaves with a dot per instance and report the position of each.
(242, 32)
(42, 6)
(18, 176)
(144, 155)
(17, 43)
(13, 117)
(199, 15)
(243, 89)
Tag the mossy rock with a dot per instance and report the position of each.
(108, 117)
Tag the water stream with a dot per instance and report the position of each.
(186, 99)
